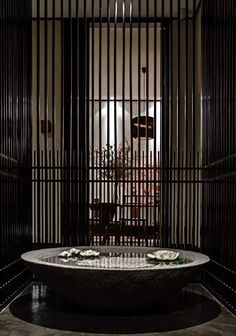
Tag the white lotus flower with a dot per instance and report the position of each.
(74, 251)
(151, 256)
(89, 253)
(64, 254)
(163, 255)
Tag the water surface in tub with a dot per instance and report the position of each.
(113, 260)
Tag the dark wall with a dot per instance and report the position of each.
(219, 146)
(15, 144)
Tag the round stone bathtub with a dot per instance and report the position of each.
(121, 280)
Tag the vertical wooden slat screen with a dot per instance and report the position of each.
(97, 67)
(218, 79)
(15, 145)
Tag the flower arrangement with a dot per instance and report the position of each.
(113, 164)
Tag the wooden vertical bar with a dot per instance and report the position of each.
(171, 128)
(146, 103)
(194, 223)
(131, 175)
(108, 101)
(100, 105)
(178, 125)
(155, 201)
(92, 117)
(115, 112)
(38, 119)
(139, 109)
(46, 117)
(186, 147)
(62, 154)
(70, 186)
(53, 169)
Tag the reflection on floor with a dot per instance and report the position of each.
(36, 312)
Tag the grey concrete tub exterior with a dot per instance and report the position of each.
(113, 290)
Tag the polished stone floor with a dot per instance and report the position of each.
(193, 312)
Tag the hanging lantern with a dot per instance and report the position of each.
(143, 128)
